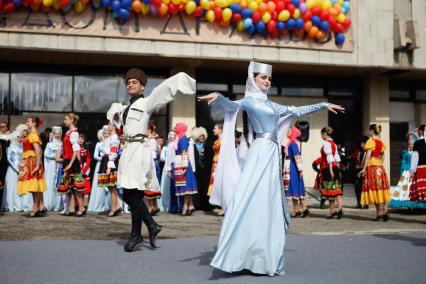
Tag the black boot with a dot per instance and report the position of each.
(340, 214)
(322, 204)
(153, 233)
(134, 239)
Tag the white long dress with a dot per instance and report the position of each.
(52, 199)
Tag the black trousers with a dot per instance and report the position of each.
(139, 212)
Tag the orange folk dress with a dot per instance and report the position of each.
(216, 149)
(26, 181)
(375, 189)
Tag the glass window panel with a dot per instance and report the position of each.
(212, 87)
(97, 93)
(302, 91)
(340, 93)
(4, 93)
(41, 92)
(421, 95)
(399, 94)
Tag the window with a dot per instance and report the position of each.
(302, 91)
(41, 92)
(212, 87)
(421, 92)
(4, 93)
(399, 90)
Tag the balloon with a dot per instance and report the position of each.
(105, 3)
(221, 3)
(153, 9)
(167, 2)
(284, 15)
(205, 4)
(326, 5)
(218, 13)
(116, 5)
(299, 24)
(167, 9)
(137, 6)
(256, 17)
(271, 7)
(247, 13)
(280, 6)
(346, 23)
(235, 8)
(226, 14)
(340, 38)
(307, 26)
(321, 36)
(9, 7)
(190, 7)
(310, 4)
(147, 2)
(260, 27)
(271, 26)
(18, 3)
(124, 13)
(296, 3)
(307, 16)
(64, 3)
(156, 3)
(266, 17)
(198, 11)
(83, 1)
(126, 4)
(341, 18)
(291, 23)
(262, 8)
(253, 6)
(240, 26)
(236, 18)
(316, 11)
(324, 15)
(79, 7)
(313, 32)
(145, 9)
(316, 21)
(176, 2)
(280, 26)
(247, 23)
(210, 16)
(325, 27)
(291, 9)
(252, 30)
(303, 8)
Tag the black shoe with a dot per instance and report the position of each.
(322, 204)
(154, 212)
(365, 207)
(297, 214)
(132, 242)
(153, 233)
(43, 212)
(386, 217)
(305, 213)
(33, 214)
(340, 214)
(332, 215)
(377, 218)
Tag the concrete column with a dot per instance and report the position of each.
(420, 114)
(182, 109)
(376, 109)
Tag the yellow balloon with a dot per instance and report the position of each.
(57, 4)
(296, 14)
(166, 2)
(240, 26)
(205, 4)
(79, 7)
(266, 17)
(47, 3)
(145, 9)
(326, 5)
(341, 18)
(210, 16)
(190, 7)
(227, 14)
(221, 3)
(284, 15)
(310, 4)
(176, 2)
(253, 6)
(185, 1)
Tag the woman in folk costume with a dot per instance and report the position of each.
(12, 202)
(108, 168)
(72, 182)
(167, 156)
(152, 195)
(136, 172)
(331, 176)
(100, 197)
(183, 167)
(31, 172)
(85, 160)
(295, 189)
(256, 214)
(52, 200)
(316, 166)
(375, 189)
(418, 169)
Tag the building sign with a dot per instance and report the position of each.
(314, 29)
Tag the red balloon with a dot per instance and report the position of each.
(332, 20)
(287, 2)
(9, 7)
(218, 13)
(27, 3)
(307, 16)
(291, 8)
(316, 11)
(1, 5)
(324, 15)
(339, 28)
(274, 15)
(346, 23)
(280, 6)
(236, 18)
(198, 11)
(256, 17)
(172, 9)
(271, 26)
(156, 3)
(181, 8)
(64, 3)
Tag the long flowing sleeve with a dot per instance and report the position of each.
(226, 103)
(164, 93)
(114, 109)
(12, 157)
(170, 157)
(97, 154)
(283, 110)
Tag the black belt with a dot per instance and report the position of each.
(136, 138)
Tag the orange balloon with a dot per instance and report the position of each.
(243, 4)
(212, 5)
(333, 12)
(308, 26)
(162, 11)
(224, 23)
(137, 6)
(36, 2)
(337, 8)
(313, 32)
(84, 1)
(262, 8)
(271, 7)
(321, 35)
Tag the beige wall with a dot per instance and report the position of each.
(420, 114)
(419, 12)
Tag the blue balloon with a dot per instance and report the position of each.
(197, 2)
(299, 24)
(316, 21)
(291, 23)
(115, 14)
(347, 5)
(154, 10)
(340, 38)
(247, 23)
(106, 3)
(126, 4)
(252, 30)
(296, 3)
(147, 1)
(124, 14)
(17, 3)
(235, 8)
(261, 27)
(116, 5)
(325, 26)
(246, 13)
(280, 25)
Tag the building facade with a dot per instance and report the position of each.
(53, 63)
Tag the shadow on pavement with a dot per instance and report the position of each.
(397, 237)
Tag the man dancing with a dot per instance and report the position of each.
(136, 170)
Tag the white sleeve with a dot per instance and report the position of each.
(74, 137)
(163, 155)
(337, 157)
(171, 153)
(414, 162)
(329, 152)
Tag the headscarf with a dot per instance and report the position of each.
(294, 134)
(180, 130)
(55, 129)
(14, 138)
(252, 90)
